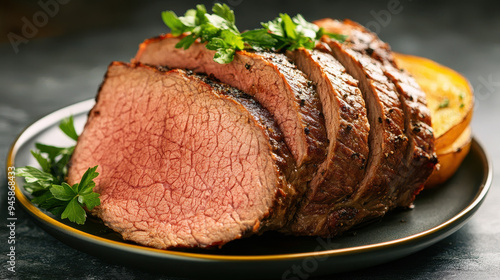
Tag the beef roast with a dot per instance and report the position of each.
(347, 128)
(184, 161)
(358, 38)
(274, 82)
(335, 136)
(419, 158)
(387, 143)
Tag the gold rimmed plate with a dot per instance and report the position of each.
(438, 213)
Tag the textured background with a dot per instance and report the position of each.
(63, 62)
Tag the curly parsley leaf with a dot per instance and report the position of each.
(47, 185)
(220, 33)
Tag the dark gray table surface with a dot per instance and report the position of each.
(67, 57)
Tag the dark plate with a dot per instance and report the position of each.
(438, 213)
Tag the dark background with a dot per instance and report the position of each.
(64, 60)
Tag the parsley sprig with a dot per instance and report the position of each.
(48, 187)
(293, 33)
(220, 33)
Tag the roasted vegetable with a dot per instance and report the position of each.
(450, 159)
(451, 102)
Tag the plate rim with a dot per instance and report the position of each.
(86, 105)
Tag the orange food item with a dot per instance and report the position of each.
(449, 96)
(450, 99)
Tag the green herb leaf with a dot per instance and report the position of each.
(305, 28)
(90, 200)
(234, 40)
(224, 12)
(35, 187)
(221, 23)
(339, 37)
(259, 39)
(289, 26)
(215, 44)
(61, 166)
(173, 22)
(58, 159)
(186, 42)
(445, 103)
(275, 27)
(34, 175)
(46, 200)
(47, 185)
(188, 20)
(220, 33)
(56, 210)
(87, 178)
(200, 14)
(51, 151)
(63, 192)
(293, 33)
(44, 163)
(68, 128)
(74, 212)
(223, 56)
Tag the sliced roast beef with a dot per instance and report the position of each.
(419, 158)
(377, 192)
(338, 177)
(358, 38)
(184, 161)
(273, 81)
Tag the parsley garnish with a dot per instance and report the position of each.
(293, 33)
(48, 186)
(461, 97)
(217, 29)
(445, 103)
(220, 33)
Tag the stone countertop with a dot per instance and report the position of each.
(63, 61)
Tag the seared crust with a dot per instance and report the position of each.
(386, 140)
(358, 38)
(309, 108)
(420, 158)
(347, 126)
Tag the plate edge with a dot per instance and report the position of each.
(87, 104)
